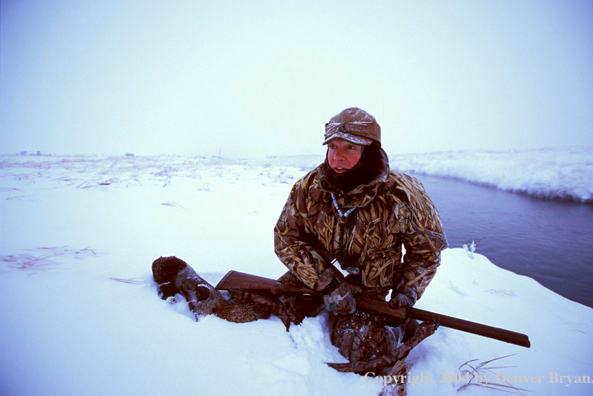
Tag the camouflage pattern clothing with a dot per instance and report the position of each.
(364, 229)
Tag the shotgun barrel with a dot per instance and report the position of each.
(383, 307)
(471, 327)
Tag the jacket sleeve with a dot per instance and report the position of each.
(294, 243)
(423, 238)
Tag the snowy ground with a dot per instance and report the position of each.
(81, 314)
(565, 173)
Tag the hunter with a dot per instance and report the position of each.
(354, 212)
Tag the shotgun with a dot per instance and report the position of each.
(241, 281)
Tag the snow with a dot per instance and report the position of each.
(565, 173)
(81, 314)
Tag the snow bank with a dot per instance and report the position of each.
(559, 173)
(81, 315)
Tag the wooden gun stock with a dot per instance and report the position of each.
(241, 281)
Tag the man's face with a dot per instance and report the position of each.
(343, 155)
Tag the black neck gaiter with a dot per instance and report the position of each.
(367, 169)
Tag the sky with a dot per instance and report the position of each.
(261, 78)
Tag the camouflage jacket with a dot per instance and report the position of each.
(363, 229)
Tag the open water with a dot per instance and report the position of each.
(550, 241)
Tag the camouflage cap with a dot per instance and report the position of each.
(354, 125)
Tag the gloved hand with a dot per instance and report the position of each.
(403, 296)
(341, 300)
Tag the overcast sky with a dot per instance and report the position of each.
(255, 78)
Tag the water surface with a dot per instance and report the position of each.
(549, 241)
